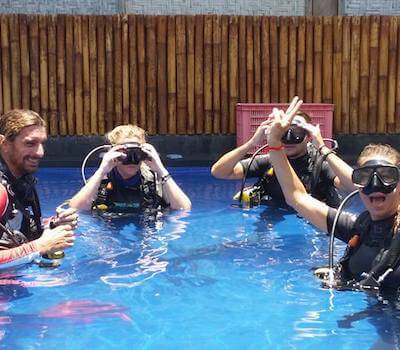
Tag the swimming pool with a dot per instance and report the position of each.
(217, 278)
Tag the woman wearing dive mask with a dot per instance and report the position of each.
(130, 178)
(373, 253)
(302, 156)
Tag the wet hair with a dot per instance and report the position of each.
(12, 122)
(123, 132)
(388, 153)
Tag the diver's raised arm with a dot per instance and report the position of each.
(295, 194)
(341, 169)
(228, 166)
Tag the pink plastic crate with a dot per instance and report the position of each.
(250, 115)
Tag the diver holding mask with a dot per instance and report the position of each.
(311, 167)
(130, 179)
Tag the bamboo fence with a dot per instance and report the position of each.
(185, 74)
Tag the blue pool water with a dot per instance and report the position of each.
(217, 278)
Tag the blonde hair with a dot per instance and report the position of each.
(12, 122)
(388, 153)
(124, 132)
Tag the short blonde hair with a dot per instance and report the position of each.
(12, 122)
(386, 152)
(124, 132)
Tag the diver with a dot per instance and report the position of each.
(306, 159)
(372, 257)
(131, 178)
(23, 237)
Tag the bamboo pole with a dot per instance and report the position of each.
(133, 70)
(162, 91)
(190, 34)
(44, 78)
(141, 50)
(317, 84)
(224, 75)
(327, 60)
(93, 64)
(309, 78)
(292, 56)
(61, 69)
(283, 59)
(364, 76)
(354, 73)
(265, 60)
(249, 59)
(125, 69)
(25, 66)
(373, 73)
(397, 112)
(69, 62)
(208, 88)
(108, 34)
(101, 74)
(171, 68)
(151, 88)
(1, 77)
(301, 57)
(383, 74)
(216, 65)
(86, 75)
(242, 60)
(257, 58)
(6, 64)
(337, 72)
(78, 72)
(15, 61)
(52, 59)
(117, 63)
(199, 74)
(274, 52)
(391, 96)
(233, 71)
(181, 74)
(345, 120)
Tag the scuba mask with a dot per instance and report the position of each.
(376, 176)
(134, 154)
(294, 135)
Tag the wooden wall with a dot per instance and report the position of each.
(185, 74)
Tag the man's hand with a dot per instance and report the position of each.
(56, 239)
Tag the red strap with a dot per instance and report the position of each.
(277, 148)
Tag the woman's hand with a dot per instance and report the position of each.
(280, 121)
(111, 158)
(65, 217)
(154, 162)
(56, 239)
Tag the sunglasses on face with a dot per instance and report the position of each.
(294, 135)
(387, 174)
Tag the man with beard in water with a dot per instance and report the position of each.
(23, 237)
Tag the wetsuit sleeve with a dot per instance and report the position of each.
(23, 254)
(345, 225)
(258, 167)
(327, 173)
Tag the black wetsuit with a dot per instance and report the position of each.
(140, 193)
(23, 215)
(375, 237)
(323, 189)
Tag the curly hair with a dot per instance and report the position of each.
(123, 132)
